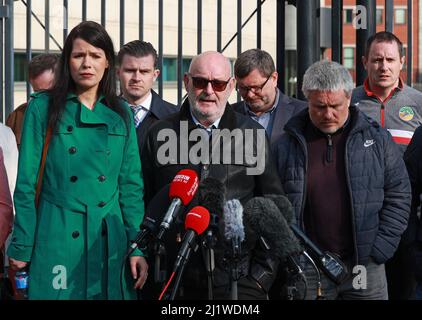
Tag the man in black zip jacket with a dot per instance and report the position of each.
(412, 158)
(347, 183)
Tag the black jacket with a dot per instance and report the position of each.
(159, 110)
(377, 180)
(413, 159)
(239, 185)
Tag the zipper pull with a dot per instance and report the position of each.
(329, 148)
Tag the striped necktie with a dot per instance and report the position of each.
(137, 114)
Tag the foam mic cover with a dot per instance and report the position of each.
(283, 204)
(263, 216)
(197, 219)
(184, 186)
(211, 195)
(233, 220)
(157, 208)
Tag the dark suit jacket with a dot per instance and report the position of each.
(160, 109)
(287, 107)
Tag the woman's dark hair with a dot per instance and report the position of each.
(97, 36)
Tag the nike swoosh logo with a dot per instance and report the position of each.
(368, 143)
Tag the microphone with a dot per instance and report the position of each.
(330, 264)
(283, 204)
(196, 222)
(234, 231)
(211, 196)
(276, 241)
(154, 213)
(182, 189)
(263, 217)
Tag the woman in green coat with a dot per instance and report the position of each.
(90, 204)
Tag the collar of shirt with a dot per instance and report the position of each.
(369, 93)
(146, 104)
(270, 111)
(198, 124)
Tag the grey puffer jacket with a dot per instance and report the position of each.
(377, 181)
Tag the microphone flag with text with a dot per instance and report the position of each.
(196, 222)
(182, 190)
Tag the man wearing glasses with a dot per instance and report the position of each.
(262, 100)
(209, 84)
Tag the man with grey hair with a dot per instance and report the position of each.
(347, 183)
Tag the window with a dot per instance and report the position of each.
(379, 16)
(169, 69)
(400, 16)
(348, 16)
(21, 66)
(349, 58)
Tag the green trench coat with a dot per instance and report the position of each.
(90, 205)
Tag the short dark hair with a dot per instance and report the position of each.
(384, 36)
(41, 63)
(137, 48)
(254, 59)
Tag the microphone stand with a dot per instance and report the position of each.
(159, 273)
(319, 285)
(179, 273)
(208, 244)
(236, 248)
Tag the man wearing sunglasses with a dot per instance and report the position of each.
(209, 84)
(262, 101)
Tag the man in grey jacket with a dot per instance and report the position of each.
(347, 183)
(384, 96)
(256, 79)
(398, 108)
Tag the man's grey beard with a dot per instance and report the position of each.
(201, 116)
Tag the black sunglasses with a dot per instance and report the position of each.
(202, 83)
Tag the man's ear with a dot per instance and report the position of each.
(186, 81)
(364, 62)
(402, 60)
(156, 74)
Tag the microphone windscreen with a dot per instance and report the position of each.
(157, 208)
(263, 217)
(233, 220)
(283, 204)
(211, 195)
(197, 219)
(184, 186)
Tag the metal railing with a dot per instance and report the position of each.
(308, 47)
